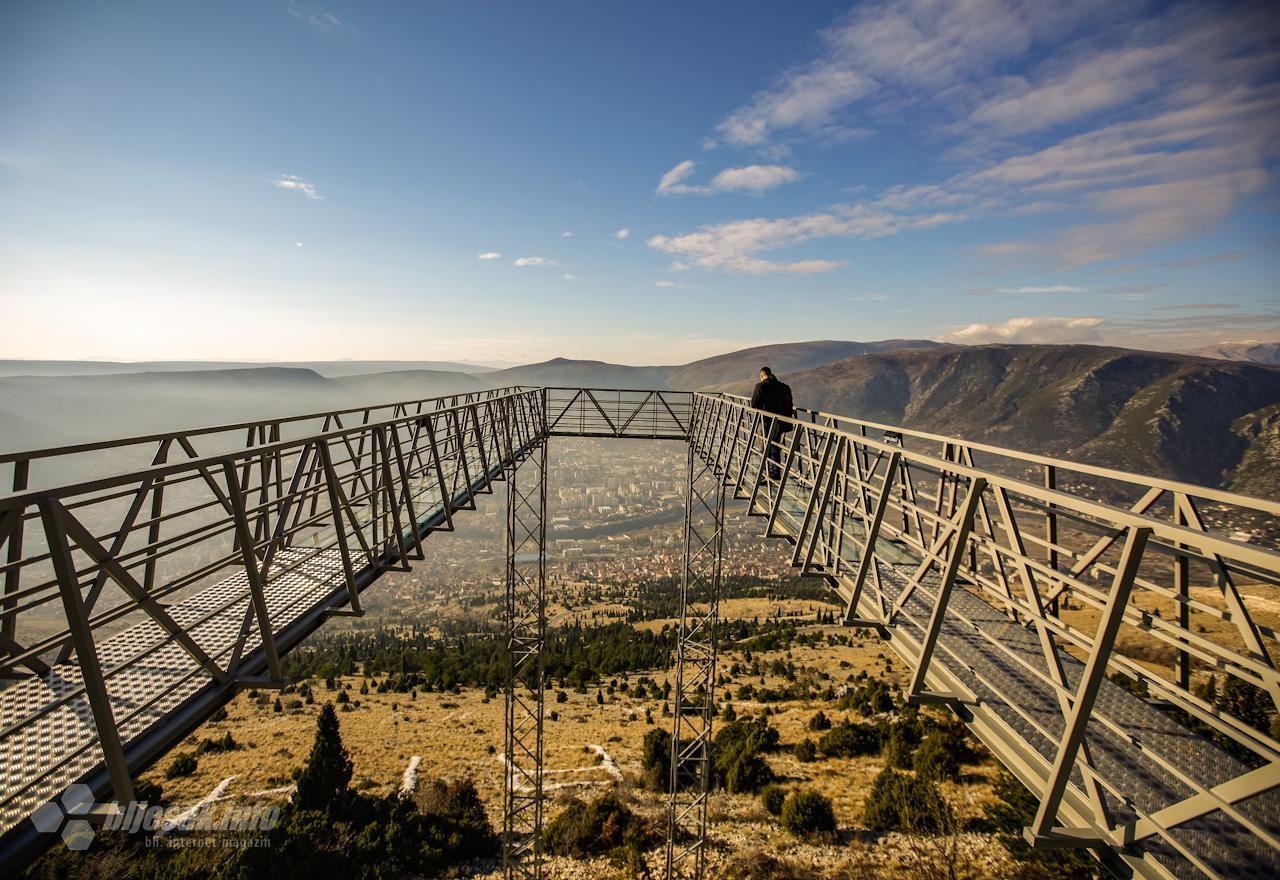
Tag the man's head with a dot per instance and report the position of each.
(765, 373)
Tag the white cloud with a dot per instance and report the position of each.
(804, 97)
(753, 178)
(1049, 288)
(1031, 330)
(673, 181)
(297, 184)
(735, 246)
(566, 234)
(898, 52)
(1175, 123)
(569, 276)
(535, 261)
(664, 284)
(748, 178)
(298, 244)
(319, 19)
(622, 234)
(489, 255)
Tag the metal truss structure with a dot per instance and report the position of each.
(526, 621)
(1073, 616)
(695, 705)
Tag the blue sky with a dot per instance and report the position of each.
(650, 182)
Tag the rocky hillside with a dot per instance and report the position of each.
(1205, 421)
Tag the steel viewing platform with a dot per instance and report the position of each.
(1036, 598)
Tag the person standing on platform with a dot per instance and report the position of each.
(774, 397)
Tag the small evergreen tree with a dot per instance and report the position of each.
(807, 812)
(324, 780)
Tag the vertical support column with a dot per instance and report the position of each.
(1051, 530)
(526, 619)
(9, 625)
(694, 710)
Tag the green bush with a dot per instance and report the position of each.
(736, 754)
(936, 759)
(602, 826)
(773, 797)
(902, 802)
(655, 760)
(899, 747)
(820, 722)
(464, 825)
(805, 751)
(850, 740)
(182, 765)
(749, 774)
(807, 812)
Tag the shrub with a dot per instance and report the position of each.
(935, 759)
(183, 765)
(604, 825)
(806, 751)
(772, 797)
(849, 740)
(820, 722)
(902, 802)
(655, 759)
(899, 748)
(807, 812)
(465, 825)
(749, 774)
(736, 754)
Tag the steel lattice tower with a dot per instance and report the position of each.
(695, 705)
(526, 620)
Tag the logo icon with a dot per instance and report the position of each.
(68, 816)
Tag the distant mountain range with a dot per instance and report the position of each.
(1257, 352)
(324, 368)
(1203, 420)
(1211, 422)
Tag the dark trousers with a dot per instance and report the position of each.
(773, 447)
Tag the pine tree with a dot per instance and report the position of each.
(328, 772)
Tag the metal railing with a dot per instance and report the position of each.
(137, 603)
(1020, 604)
(1084, 622)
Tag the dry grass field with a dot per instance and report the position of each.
(460, 735)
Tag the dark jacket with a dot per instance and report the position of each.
(773, 396)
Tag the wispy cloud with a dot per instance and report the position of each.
(319, 19)
(297, 184)
(622, 234)
(489, 255)
(1048, 288)
(569, 276)
(748, 178)
(566, 234)
(736, 246)
(664, 284)
(1142, 129)
(1029, 330)
(535, 261)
